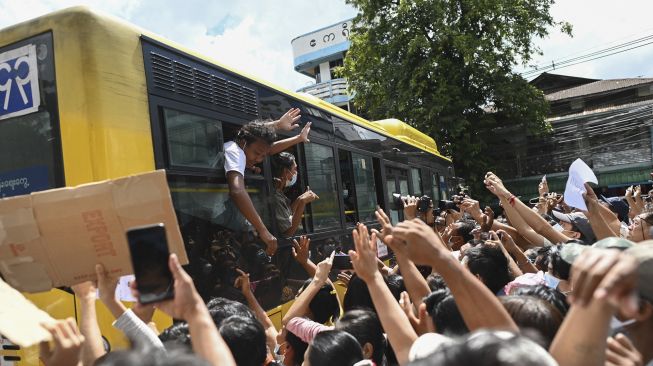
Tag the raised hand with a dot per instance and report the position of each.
(289, 121)
(106, 284)
(384, 221)
(300, 249)
(419, 321)
(420, 242)
(495, 185)
(488, 220)
(242, 282)
(85, 290)
(270, 242)
(605, 275)
(410, 207)
(186, 301)
(324, 268)
(543, 188)
(68, 341)
(364, 257)
(471, 206)
(621, 352)
(344, 277)
(303, 135)
(308, 196)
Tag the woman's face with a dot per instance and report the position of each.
(638, 230)
(291, 172)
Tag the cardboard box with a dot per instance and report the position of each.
(20, 320)
(54, 238)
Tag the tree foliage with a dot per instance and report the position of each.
(446, 67)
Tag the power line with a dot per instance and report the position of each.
(592, 56)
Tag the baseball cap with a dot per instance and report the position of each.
(580, 222)
(643, 252)
(569, 252)
(618, 206)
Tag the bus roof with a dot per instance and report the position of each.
(392, 128)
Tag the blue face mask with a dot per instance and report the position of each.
(292, 181)
(551, 281)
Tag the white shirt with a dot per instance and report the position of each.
(235, 159)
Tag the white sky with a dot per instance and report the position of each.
(254, 35)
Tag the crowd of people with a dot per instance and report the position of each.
(541, 285)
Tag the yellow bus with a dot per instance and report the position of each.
(86, 97)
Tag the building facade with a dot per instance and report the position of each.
(317, 54)
(607, 123)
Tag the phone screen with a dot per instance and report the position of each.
(341, 261)
(149, 252)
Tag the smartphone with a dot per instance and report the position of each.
(149, 252)
(342, 261)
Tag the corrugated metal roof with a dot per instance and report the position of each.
(596, 87)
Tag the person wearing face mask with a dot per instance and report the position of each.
(288, 215)
(252, 144)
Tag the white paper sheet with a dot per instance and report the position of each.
(579, 174)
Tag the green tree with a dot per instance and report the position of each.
(446, 67)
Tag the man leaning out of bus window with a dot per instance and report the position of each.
(253, 143)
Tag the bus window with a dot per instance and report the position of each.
(193, 141)
(435, 190)
(416, 181)
(365, 187)
(348, 187)
(321, 173)
(443, 187)
(30, 144)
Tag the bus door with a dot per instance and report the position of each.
(396, 181)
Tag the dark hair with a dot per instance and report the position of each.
(257, 130)
(488, 348)
(560, 267)
(542, 258)
(465, 229)
(531, 312)
(396, 285)
(176, 335)
(150, 357)
(436, 282)
(546, 293)
(444, 312)
(324, 304)
(366, 327)
(491, 265)
(221, 308)
(299, 347)
(281, 161)
(334, 347)
(357, 295)
(246, 340)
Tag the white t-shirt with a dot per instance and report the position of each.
(234, 158)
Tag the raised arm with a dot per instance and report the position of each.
(300, 252)
(603, 281)
(416, 285)
(300, 306)
(284, 144)
(92, 348)
(271, 333)
(532, 218)
(599, 225)
(298, 206)
(478, 306)
(473, 208)
(393, 319)
(238, 193)
(189, 306)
